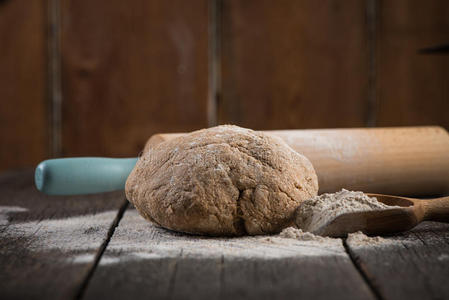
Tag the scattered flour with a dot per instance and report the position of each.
(296, 233)
(443, 257)
(356, 239)
(89, 258)
(359, 239)
(315, 213)
(79, 237)
(75, 233)
(137, 238)
(6, 210)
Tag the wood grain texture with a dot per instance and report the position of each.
(294, 64)
(293, 278)
(413, 89)
(130, 70)
(416, 266)
(43, 238)
(143, 260)
(47, 246)
(23, 108)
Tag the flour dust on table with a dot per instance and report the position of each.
(5, 211)
(359, 239)
(80, 233)
(135, 238)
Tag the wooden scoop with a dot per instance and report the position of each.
(410, 213)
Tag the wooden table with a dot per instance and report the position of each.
(97, 246)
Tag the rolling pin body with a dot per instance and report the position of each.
(411, 161)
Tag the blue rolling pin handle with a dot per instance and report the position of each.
(82, 175)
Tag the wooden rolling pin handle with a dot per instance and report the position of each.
(436, 209)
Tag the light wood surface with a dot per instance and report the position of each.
(407, 161)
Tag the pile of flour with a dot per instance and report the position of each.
(356, 239)
(359, 239)
(299, 234)
(318, 211)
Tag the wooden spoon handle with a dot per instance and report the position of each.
(436, 209)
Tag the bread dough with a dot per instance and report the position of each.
(221, 181)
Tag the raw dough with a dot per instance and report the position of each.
(221, 181)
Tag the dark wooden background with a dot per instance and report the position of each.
(100, 77)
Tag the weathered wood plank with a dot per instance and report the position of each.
(294, 64)
(132, 69)
(412, 88)
(23, 105)
(47, 244)
(143, 260)
(298, 277)
(413, 265)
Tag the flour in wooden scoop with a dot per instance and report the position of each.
(319, 211)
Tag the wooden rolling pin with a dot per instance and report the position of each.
(412, 161)
(407, 161)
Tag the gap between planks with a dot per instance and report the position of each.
(371, 8)
(362, 271)
(214, 61)
(54, 85)
(91, 269)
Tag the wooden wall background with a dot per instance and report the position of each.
(99, 77)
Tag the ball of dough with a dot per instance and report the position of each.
(221, 181)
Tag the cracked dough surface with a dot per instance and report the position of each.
(221, 181)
